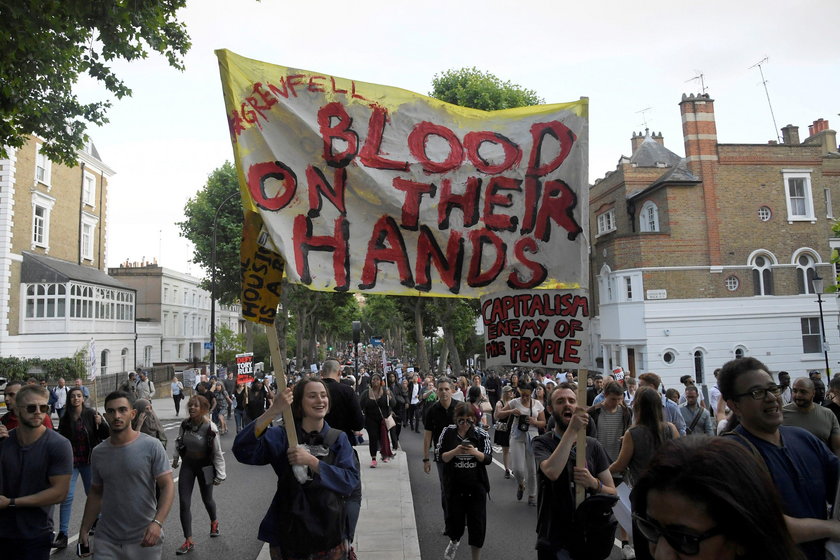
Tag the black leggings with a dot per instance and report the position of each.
(374, 435)
(190, 474)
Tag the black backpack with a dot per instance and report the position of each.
(313, 517)
(593, 528)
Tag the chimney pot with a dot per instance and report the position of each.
(790, 135)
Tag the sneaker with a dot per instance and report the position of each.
(519, 492)
(532, 501)
(507, 473)
(60, 541)
(451, 549)
(186, 547)
(214, 528)
(373, 463)
(627, 552)
(386, 459)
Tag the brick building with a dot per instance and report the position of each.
(701, 259)
(54, 293)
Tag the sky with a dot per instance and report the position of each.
(633, 60)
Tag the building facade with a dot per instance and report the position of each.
(173, 313)
(702, 259)
(55, 297)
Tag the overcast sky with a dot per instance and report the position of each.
(625, 56)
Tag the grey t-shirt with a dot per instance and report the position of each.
(26, 470)
(610, 426)
(127, 474)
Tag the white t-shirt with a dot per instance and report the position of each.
(533, 409)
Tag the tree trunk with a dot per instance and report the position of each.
(449, 337)
(422, 357)
(249, 336)
(301, 327)
(442, 356)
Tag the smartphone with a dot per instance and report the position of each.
(82, 550)
(466, 443)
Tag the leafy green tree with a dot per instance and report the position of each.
(198, 228)
(45, 45)
(470, 87)
(228, 345)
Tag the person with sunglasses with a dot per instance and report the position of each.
(35, 468)
(464, 449)
(705, 498)
(10, 419)
(803, 469)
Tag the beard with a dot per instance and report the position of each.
(559, 420)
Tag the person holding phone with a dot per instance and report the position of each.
(465, 451)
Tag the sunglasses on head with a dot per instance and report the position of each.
(684, 542)
(33, 408)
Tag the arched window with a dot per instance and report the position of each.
(805, 271)
(649, 217)
(762, 275)
(699, 366)
(103, 362)
(124, 359)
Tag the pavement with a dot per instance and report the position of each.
(387, 529)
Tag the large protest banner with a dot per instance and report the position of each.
(351, 186)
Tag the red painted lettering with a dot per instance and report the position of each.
(417, 139)
(492, 199)
(338, 243)
(559, 132)
(467, 202)
(473, 142)
(340, 131)
(557, 204)
(479, 238)
(385, 231)
(260, 173)
(413, 196)
(370, 155)
(539, 273)
(318, 186)
(449, 267)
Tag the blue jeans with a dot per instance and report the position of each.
(240, 419)
(67, 504)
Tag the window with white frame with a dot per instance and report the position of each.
(89, 189)
(805, 272)
(81, 301)
(124, 359)
(147, 356)
(46, 301)
(87, 242)
(606, 222)
(829, 211)
(762, 275)
(649, 217)
(103, 362)
(811, 335)
(42, 205)
(800, 203)
(628, 288)
(43, 166)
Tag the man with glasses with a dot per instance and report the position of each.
(803, 469)
(10, 419)
(128, 464)
(35, 468)
(804, 413)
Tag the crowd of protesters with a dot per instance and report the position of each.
(744, 468)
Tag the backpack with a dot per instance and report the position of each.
(593, 528)
(313, 518)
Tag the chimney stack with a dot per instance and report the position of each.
(821, 134)
(636, 141)
(658, 138)
(790, 135)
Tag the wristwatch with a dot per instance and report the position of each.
(11, 503)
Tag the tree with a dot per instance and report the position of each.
(228, 345)
(470, 87)
(45, 45)
(198, 228)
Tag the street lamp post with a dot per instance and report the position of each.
(817, 283)
(213, 287)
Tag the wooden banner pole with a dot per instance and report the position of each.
(580, 453)
(280, 379)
